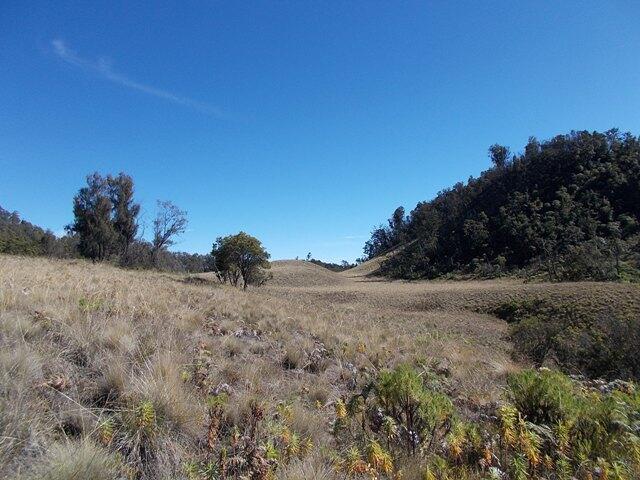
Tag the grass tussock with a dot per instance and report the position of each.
(108, 373)
(78, 460)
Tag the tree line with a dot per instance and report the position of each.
(106, 224)
(567, 209)
(334, 267)
(106, 227)
(20, 237)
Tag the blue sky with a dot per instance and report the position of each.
(303, 123)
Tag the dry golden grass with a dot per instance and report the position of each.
(368, 268)
(85, 348)
(302, 274)
(442, 322)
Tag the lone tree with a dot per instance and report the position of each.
(240, 257)
(105, 216)
(169, 223)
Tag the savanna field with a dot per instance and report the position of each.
(458, 182)
(113, 373)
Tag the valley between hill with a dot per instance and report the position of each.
(122, 366)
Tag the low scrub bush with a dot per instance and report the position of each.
(248, 444)
(549, 427)
(552, 427)
(594, 343)
(395, 415)
(545, 397)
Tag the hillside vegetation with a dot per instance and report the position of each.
(19, 237)
(106, 228)
(108, 373)
(567, 209)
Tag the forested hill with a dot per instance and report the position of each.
(17, 236)
(567, 208)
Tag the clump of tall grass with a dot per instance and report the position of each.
(78, 460)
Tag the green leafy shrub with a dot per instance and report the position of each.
(395, 415)
(542, 397)
(420, 413)
(596, 343)
(550, 427)
(558, 427)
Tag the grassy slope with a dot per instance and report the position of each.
(369, 268)
(81, 343)
(307, 274)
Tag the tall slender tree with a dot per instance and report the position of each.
(92, 209)
(105, 216)
(170, 222)
(125, 211)
(499, 155)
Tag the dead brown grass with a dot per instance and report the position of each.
(84, 344)
(303, 274)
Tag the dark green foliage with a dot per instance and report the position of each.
(105, 216)
(545, 397)
(194, 262)
(384, 238)
(240, 257)
(596, 343)
(141, 256)
(548, 426)
(92, 211)
(422, 413)
(20, 237)
(499, 155)
(568, 208)
(399, 410)
(105, 227)
(125, 211)
(559, 425)
(334, 267)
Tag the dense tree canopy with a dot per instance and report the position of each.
(568, 207)
(19, 237)
(105, 216)
(125, 211)
(240, 258)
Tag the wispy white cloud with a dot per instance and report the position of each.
(103, 68)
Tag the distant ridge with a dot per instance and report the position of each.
(298, 273)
